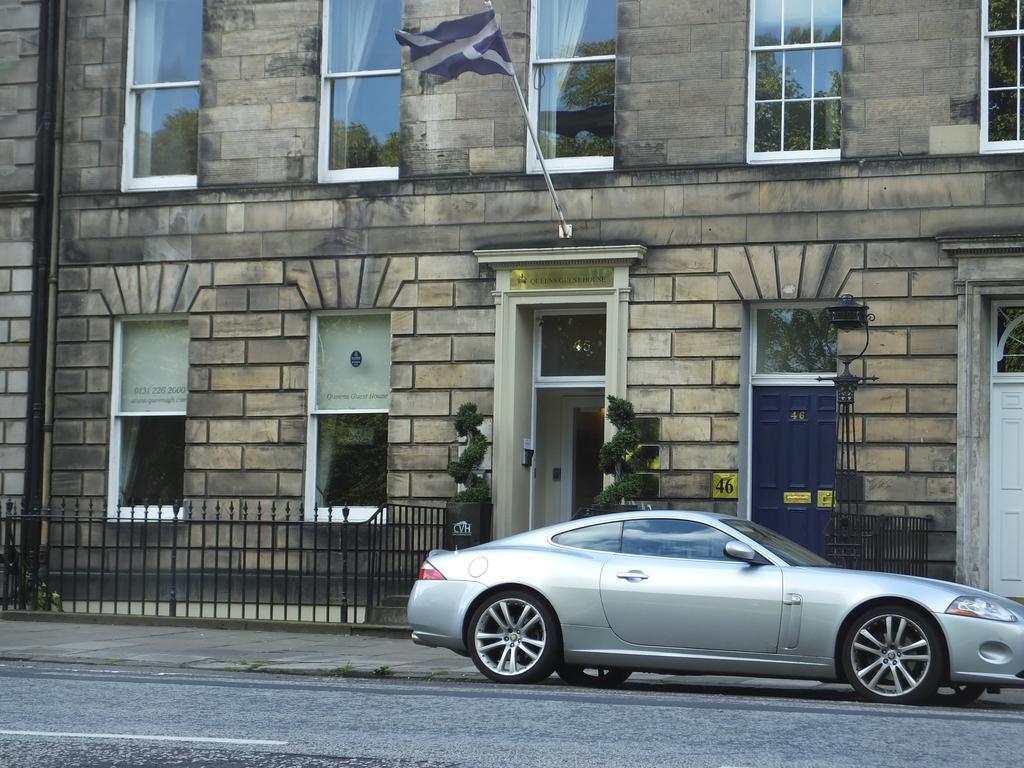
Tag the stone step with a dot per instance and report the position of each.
(387, 615)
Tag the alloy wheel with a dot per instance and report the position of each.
(510, 637)
(891, 655)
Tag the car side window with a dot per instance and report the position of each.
(605, 537)
(674, 538)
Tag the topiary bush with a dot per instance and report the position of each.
(465, 468)
(618, 455)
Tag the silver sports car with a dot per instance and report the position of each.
(687, 592)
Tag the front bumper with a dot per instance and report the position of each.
(437, 612)
(984, 651)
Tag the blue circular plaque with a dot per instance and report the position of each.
(356, 358)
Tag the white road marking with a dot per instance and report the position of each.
(143, 737)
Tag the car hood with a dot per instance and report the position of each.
(936, 594)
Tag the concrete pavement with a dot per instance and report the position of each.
(332, 652)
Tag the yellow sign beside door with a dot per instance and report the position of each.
(796, 497)
(826, 499)
(725, 485)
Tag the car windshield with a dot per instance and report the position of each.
(788, 550)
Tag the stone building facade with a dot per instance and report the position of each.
(699, 242)
(19, 66)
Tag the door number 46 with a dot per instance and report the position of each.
(724, 485)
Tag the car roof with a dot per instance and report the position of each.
(611, 517)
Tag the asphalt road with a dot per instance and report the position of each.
(102, 718)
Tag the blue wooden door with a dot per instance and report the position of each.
(793, 458)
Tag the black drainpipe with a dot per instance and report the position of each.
(42, 242)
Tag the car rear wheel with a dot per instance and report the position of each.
(593, 677)
(893, 654)
(514, 638)
(957, 695)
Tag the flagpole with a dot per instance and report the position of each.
(564, 227)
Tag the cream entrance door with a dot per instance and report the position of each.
(569, 432)
(547, 279)
(1007, 521)
(1006, 473)
(569, 364)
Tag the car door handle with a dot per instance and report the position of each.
(632, 575)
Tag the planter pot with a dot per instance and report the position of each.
(604, 509)
(467, 523)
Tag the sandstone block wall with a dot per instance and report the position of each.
(912, 77)
(260, 87)
(19, 71)
(15, 309)
(261, 246)
(94, 83)
(19, 67)
(249, 269)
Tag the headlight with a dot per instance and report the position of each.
(979, 608)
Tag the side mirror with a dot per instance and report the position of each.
(737, 550)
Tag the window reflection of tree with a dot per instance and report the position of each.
(1004, 65)
(353, 452)
(1012, 352)
(771, 82)
(174, 147)
(354, 146)
(795, 341)
(586, 121)
(673, 538)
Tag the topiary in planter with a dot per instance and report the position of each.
(465, 468)
(618, 455)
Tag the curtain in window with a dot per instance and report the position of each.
(560, 28)
(560, 31)
(326, 448)
(154, 366)
(354, 28)
(353, 368)
(150, 21)
(167, 42)
(130, 460)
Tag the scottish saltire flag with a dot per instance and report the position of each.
(470, 44)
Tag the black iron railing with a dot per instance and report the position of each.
(251, 561)
(890, 543)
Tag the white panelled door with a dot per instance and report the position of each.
(1007, 520)
(1006, 474)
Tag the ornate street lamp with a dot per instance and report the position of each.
(847, 315)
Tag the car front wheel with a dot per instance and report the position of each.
(893, 654)
(513, 638)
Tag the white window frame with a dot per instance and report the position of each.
(997, 147)
(327, 78)
(784, 156)
(314, 512)
(139, 512)
(129, 181)
(559, 164)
